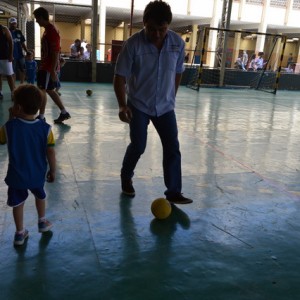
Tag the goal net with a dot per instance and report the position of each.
(229, 59)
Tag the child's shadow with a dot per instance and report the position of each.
(45, 240)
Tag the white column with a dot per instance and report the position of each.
(212, 39)
(298, 54)
(289, 7)
(236, 47)
(193, 42)
(125, 31)
(102, 24)
(37, 37)
(260, 42)
(82, 29)
(241, 9)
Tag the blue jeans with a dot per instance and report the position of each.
(166, 127)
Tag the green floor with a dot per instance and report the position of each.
(239, 239)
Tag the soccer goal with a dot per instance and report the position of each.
(228, 59)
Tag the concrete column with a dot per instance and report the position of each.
(260, 42)
(82, 29)
(241, 9)
(125, 31)
(212, 39)
(274, 63)
(94, 39)
(37, 36)
(289, 7)
(236, 47)
(298, 54)
(194, 40)
(102, 25)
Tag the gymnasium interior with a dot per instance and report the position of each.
(239, 144)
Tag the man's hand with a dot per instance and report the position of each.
(53, 75)
(125, 114)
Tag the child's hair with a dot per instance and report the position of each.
(28, 53)
(29, 97)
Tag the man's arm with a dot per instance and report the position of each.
(177, 81)
(24, 47)
(2, 136)
(125, 113)
(54, 62)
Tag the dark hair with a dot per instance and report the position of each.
(158, 11)
(41, 12)
(29, 97)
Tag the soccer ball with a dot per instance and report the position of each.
(161, 208)
(89, 92)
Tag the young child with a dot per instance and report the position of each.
(30, 144)
(31, 67)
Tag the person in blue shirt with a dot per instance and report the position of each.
(19, 46)
(147, 75)
(31, 67)
(30, 144)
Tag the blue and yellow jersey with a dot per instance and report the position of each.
(27, 143)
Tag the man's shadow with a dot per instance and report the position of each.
(169, 225)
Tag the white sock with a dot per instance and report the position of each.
(42, 219)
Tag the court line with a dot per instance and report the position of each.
(269, 181)
(84, 102)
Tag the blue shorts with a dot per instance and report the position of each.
(17, 197)
(44, 81)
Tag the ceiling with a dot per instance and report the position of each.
(115, 16)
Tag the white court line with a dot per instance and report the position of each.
(85, 104)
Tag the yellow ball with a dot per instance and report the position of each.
(89, 92)
(161, 208)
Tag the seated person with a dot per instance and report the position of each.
(238, 63)
(87, 52)
(289, 69)
(75, 49)
(81, 53)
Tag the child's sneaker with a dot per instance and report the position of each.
(44, 226)
(20, 238)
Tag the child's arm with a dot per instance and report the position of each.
(2, 136)
(51, 157)
(52, 164)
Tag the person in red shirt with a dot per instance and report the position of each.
(47, 73)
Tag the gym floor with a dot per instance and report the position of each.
(238, 240)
